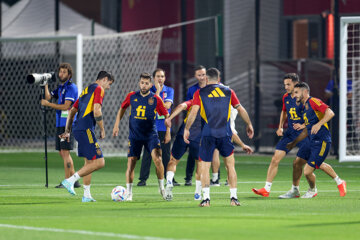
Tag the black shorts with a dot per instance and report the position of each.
(63, 144)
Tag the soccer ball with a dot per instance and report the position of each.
(118, 194)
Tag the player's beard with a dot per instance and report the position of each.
(144, 91)
(63, 81)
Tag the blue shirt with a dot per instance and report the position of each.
(167, 95)
(330, 86)
(142, 114)
(293, 111)
(67, 91)
(191, 91)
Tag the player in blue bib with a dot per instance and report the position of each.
(142, 130)
(291, 112)
(316, 115)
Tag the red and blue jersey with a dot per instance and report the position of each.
(191, 91)
(167, 95)
(143, 110)
(195, 130)
(313, 111)
(293, 111)
(85, 106)
(215, 103)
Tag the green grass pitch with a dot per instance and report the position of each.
(28, 210)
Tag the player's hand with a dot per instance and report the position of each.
(157, 84)
(167, 138)
(250, 131)
(298, 126)
(186, 136)
(280, 132)
(315, 128)
(247, 149)
(290, 145)
(102, 134)
(115, 132)
(65, 136)
(44, 102)
(168, 123)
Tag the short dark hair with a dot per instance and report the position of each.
(303, 85)
(158, 70)
(213, 74)
(68, 67)
(145, 75)
(293, 76)
(104, 74)
(199, 67)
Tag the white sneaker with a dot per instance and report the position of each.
(197, 197)
(290, 194)
(168, 192)
(129, 197)
(310, 194)
(162, 193)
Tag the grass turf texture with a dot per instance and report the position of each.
(24, 201)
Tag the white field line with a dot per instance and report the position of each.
(83, 232)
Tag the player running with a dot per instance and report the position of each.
(144, 105)
(88, 107)
(214, 102)
(316, 115)
(292, 111)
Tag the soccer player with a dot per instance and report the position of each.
(180, 147)
(144, 107)
(66, 94)
(292, 112)
(88, 107)
(214, 102)
(200, 75)
(316, 115)
(167, 96)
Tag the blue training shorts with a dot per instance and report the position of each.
(319, 152)
(135, 146)
(304, 145)
(88, 145)
(179, 148)
(208, 145)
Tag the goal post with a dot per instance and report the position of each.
(349, 87)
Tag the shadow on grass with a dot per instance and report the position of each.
(27, 203)
(325, 224)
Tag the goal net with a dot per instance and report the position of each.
(349, 131)
(126, 55)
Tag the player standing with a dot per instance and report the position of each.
(316, 115)
(214, 102)
(144, 107)
(88, 107)
(292, 112)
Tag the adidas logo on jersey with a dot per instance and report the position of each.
(216, 93)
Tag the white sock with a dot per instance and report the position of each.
(206, 193)
(313, 189)
(169, 177)
(161, 184)
(295, 188)
(87, 191)
(268, 186)
(129, 188)
(233, 193)
(215, 176)
(73, 178)
(337, 180)
(198, 186)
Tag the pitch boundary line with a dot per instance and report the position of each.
(84, 232)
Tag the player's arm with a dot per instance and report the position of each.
(124, 105)
(161, 109)
(280, 130)
(239, 142)
(99, 119)
(181, 107)
(299, 138)
(192, 115)
(329, 114)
